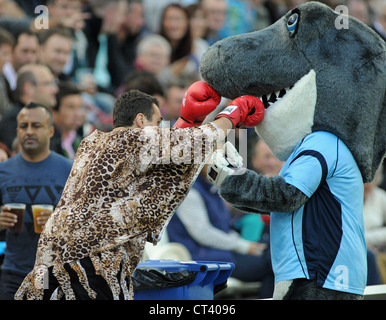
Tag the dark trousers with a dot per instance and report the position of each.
(96, 282)
(303, 289)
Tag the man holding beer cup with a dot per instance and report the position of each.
(34, 176)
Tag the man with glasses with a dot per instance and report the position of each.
(35, 83)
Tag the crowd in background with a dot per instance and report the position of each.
(90, 51)
(102, 48)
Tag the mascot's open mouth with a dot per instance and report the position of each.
(271, 98)
(281, 128)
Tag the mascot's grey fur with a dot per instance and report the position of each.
(311, 76)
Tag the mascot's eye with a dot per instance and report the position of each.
(291, 24)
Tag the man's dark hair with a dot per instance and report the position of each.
(16, 34)
(34, 105)
(144, 81)
(129, 104)
(66, 88)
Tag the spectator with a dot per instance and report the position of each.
(69, 117)
(102, 50)
(68, 14)
(35, 175)
(130, 32)
(184, 59)
(35, 83)
(153, 54)
(198, 23)
(198, 29)
(175, 28)
(175, 93)
(202, 223)
(264, 161)
(6, 44)
(215, 13)
(146, 82)
(25, 51)
(55, 50)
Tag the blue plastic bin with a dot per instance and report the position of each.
(208, 275)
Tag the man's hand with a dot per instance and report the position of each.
(256, 248)
(200, 100)
(42, 220)
(225, 162)
(7, 219)
(247, 111)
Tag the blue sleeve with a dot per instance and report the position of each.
(312, 163)
(307, 171)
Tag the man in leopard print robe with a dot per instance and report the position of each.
(123, 188)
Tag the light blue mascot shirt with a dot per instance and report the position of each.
(324, 238)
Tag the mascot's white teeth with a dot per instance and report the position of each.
(271, 98)
(281, 128)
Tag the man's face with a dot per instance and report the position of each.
(45, 88)
(156, 119)
(25, 51)
(154, 59)
(175, 95)
(215, 12)
(56, 52)
(34, 130)
(264, 160)
(134, 19)
(70, 115)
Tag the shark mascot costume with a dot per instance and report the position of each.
(324, 90)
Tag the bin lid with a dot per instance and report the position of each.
(174, 265)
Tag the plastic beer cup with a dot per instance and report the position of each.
(39, 210)
(18, 209)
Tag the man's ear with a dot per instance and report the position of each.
(52, 131)
(140, 120)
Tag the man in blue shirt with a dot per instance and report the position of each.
(35, 175)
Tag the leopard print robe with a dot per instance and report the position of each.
(123, 189)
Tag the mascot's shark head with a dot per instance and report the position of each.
(311, 75)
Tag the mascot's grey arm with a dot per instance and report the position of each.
(252, 192)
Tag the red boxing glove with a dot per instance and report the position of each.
(247, 111)
(200, 100)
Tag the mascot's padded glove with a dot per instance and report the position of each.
(200, 100)
(247, 111)
(225, 162)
